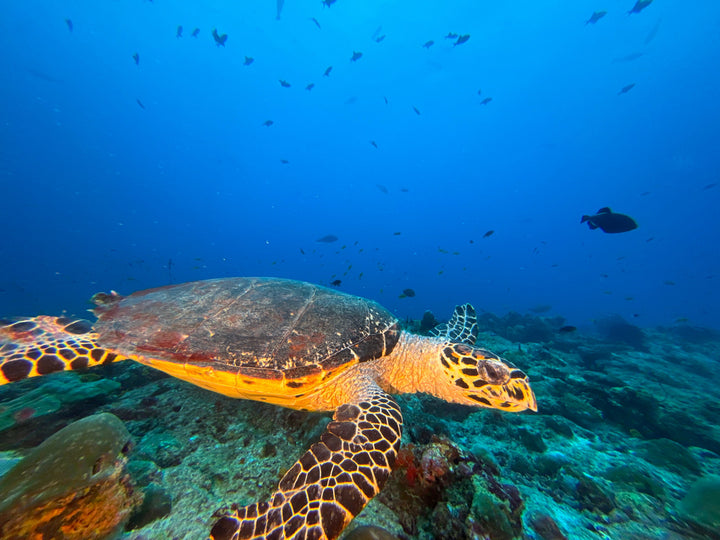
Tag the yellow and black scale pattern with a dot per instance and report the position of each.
(333, 481)
(42, 345)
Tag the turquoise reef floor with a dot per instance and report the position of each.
(625, 444)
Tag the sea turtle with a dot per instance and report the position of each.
(293, 344)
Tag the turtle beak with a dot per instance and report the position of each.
(502, 386)
(522, 395)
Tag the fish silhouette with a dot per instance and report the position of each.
(428, 44)
(328, 238)
(625, 89)
(461, 39)
(639, 6)
(248, 60)
(355, 56)
(69, 24)
(595, 17)
(327, 71)
(610, 222)
(179, 32)
(219, 39)
(195, 32)
(136, 57)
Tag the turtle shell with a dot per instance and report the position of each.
(265, 327)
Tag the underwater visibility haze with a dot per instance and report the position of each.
(553, 164)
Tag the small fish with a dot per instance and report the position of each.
(374, 144)
(268, 123)
(316, 22)
(405, 190)
(69, 24)
(489, 233)
(625, 89)
(486, 101)
(136, 57)
(179, 32)
(451, 35)
(327, 71)
(284, 161)
(416, 111)
(397, 233)
(327, 239)
(480, 92)
(284, 83)
(140, 103)
(628, 57)
(407, 293)
(336, 282)
(653, 32)
(328, 3)
(542, 308)
(382, 188)
(668, 282)
(639, 6)
(310, 86)
(355, 56)
(248, 60)
(195, 32)
(609, 222)
(567, 329)
(279, 5)
(386, 99)
(219, 39)
(710, 186)
(302, 251)
(379, 38)
(428, 44)
(461, 39)
(595, 17)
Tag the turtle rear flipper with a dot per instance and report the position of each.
(41, 345)
(332, 482)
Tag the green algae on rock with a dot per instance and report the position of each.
(701, 504)
(73, 486)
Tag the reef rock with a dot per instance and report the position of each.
(73, 486)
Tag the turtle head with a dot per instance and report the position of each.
(478, 377)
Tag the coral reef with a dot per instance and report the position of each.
(622, 434)
(701, 505)
(73, 486)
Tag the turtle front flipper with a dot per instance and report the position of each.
(462, 327)
(42, 345)
(332, 482)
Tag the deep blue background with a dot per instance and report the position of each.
(98, 193)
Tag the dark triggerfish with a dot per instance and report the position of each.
(610, 222)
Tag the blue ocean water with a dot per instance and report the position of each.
(123, 175)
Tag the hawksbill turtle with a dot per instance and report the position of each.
(293, 344)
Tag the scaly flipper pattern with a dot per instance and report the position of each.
(42, 345)
(332, 482)
(461, 328)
